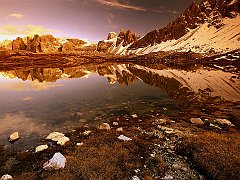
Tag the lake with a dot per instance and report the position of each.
(38, 101)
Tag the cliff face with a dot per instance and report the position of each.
(209, 11)
(47, 44)
(115, 42)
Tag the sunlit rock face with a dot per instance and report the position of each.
(111, 35)
(210, 12)
(116, 43)
(126, 37)
(72, 46)
(18, 44)
(6, 45)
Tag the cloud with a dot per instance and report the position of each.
(16, 15)
(119, 5)
(110, 20)
(25, 30)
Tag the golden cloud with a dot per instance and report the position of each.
(16, 15)
(25, 30)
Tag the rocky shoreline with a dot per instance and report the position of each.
(160, 147)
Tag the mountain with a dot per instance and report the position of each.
(117, 44)
(47, 44)
(213, 25)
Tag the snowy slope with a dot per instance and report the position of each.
(202, 39)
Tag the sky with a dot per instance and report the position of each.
(85, 19)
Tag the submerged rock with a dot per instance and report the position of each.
(105, 126)
(14, 136)
(115, 123)
(197, 121)
(57, 162)
(41, 148)
(224, 122)
(6, 177)
(60, 138)
(134, 116)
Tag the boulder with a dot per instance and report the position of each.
(105, 126)
(197, 121)
(14, 136)
(58, 161)
(60, 138)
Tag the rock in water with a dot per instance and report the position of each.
(60, 138)
(105, 126)
(197, 121)
(14, 136)
(57, 162)
(6, 177)
(41, 148)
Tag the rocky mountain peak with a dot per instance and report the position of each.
(111, 35)
(126, 37)
(208, 11)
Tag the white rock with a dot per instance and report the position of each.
(224, 122)
(60, 138)
(63, 141)
(214, 126)
(14, 136)
(41, 148)
(105, 126)
(115, 123)
(124, 138)
(86, 133)
(134, 116)
(119, 129)
(80, 144)
(6, 177)
(57, 162)
(197, 121)
(135, 178)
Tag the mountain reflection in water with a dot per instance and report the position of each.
(38, 101)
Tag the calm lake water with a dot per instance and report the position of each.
(38, 101)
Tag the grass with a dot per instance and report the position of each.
(216, 155)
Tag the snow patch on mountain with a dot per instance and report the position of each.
(203, 39)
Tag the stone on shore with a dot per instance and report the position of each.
(105, 126)
(41, 148)
(6, 177)
(14, 136)
(119, 129)
(197, 121)
(224, 122)
(60, 138)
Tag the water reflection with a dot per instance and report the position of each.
(38, 101)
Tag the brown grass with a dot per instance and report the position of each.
(215, 155)
(102, 156)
